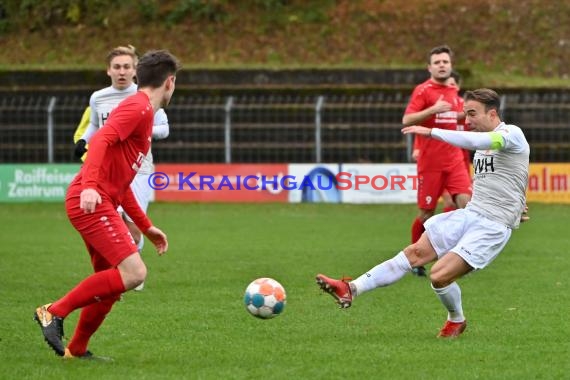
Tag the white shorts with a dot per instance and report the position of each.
(475, 238)
(143, 193)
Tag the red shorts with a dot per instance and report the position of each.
(431, 185)
(104, 232)
(468, 160)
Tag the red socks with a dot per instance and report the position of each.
(417, 230)
(97, 287)
(89, 321)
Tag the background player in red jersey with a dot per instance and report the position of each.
(455, 81)
(440, 166)
(115, 155)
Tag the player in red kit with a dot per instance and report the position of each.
(103, 183)
(455, 81)
(434, 104)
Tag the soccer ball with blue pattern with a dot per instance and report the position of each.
(265, 298)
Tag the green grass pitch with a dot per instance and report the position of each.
(190, 322)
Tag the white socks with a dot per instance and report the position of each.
(450, 297)
(383, 274)
(392, 270)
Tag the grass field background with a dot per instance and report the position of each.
(190, 323)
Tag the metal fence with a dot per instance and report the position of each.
(271, 127)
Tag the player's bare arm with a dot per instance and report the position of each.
(417, 130)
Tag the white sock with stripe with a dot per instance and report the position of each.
(383, 274)
(450, 297)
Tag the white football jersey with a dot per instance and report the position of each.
(102, 102)
(501, 178)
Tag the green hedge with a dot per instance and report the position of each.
(41, 14)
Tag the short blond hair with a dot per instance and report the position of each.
(122, 50)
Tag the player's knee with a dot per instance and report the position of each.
(134, 275)
(139, 274)
(414, 255)
(438, 278)
(421, 252)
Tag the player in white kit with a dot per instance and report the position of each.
(121, 68)
(465, 239)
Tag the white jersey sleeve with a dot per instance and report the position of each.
(160, 129)
(89, 132)
(93, 119)
(464, 139)
(93, 122)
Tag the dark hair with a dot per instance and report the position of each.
(155, 66)
(438, 50)
(485, 96)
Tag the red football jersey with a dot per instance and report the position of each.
(127, 132)
(435, 154)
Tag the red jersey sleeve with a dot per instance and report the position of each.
(417, 101)
(132, 208)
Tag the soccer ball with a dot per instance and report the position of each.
(265, 298)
